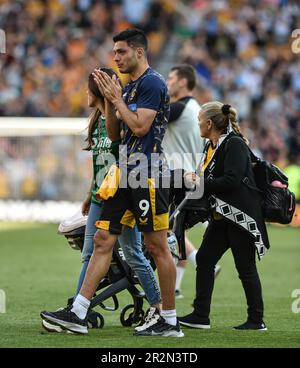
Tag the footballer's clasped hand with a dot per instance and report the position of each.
(109, 87)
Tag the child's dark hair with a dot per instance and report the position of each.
(95, 115)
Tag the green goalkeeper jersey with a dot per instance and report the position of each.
(105, 153)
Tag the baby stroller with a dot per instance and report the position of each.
(119, 277)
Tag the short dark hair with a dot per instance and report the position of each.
(134, 38)
(188, 72)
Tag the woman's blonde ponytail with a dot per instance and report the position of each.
(234, 123)
(221, 114)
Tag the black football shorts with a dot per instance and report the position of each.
(146, 207)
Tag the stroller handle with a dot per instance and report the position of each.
(180, 206)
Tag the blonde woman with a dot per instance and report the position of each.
(236, 222)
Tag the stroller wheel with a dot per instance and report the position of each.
(95, 320)
(133, 318)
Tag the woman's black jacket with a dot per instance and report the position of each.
(225, 178)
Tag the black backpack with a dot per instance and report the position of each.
(278, 204)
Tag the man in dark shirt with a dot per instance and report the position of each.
(143, 108)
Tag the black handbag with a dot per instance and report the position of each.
(190, 212)
(278, 203)
(197, 210)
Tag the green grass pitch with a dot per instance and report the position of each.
(38, 271)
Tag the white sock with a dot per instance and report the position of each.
(192, 257)
(81, 306)
(169, 316)
(179, 276)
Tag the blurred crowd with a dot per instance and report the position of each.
(52, 46)
(44, 168)
(241, 49)
(243, 54)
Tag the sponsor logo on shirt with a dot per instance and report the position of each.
(103, 143)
